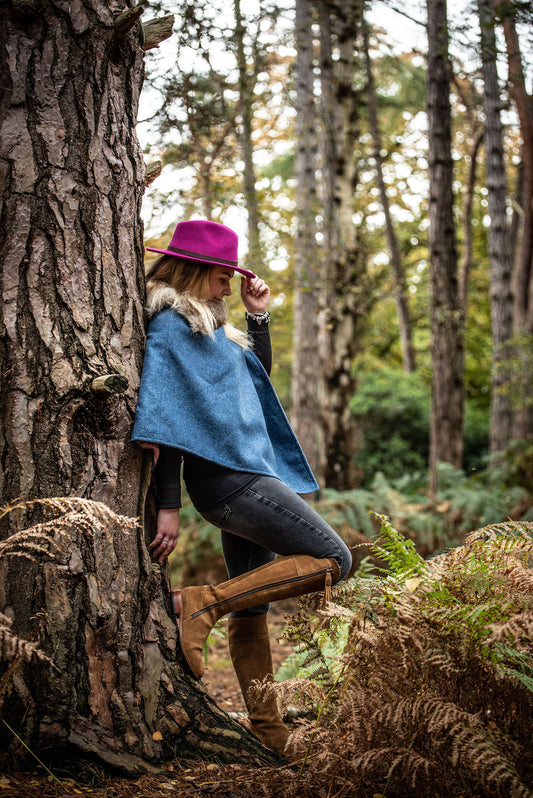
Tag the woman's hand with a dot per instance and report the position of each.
(255, 294)
(168, 529)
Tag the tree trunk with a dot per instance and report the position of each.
(522, 428)
(305, 415)
(343, 294)
(523, 272)
(501, 297)
(109, 683)
(246, 87)
(72, 289)
(71, 252)
(447, 321)
(468, 246)
(400, 288)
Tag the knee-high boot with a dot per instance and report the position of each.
(249, 647)
(199, 608)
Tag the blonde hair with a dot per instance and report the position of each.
(190, 281)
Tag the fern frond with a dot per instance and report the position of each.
(51, 538)
(442, 661)
(396, 550)
(87, 508)
(297, 691)
(13, 647)
(472, 748)
(516, 627)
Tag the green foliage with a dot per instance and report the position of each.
(393, 411)
(479, 500)
(349, 509)
(397, 551)
(518, 467)
(462, 504)
(476, 435)
(318, 653)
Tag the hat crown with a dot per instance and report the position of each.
(203, 240)
(206, 242)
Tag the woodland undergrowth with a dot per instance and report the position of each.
(417, 678)
(421, 673)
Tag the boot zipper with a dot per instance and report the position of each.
(252, 591)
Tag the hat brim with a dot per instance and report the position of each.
(246, 272)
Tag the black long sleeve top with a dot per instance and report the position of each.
(207, 483)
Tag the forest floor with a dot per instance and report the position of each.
(185, 779)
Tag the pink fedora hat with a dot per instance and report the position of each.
(206, 242)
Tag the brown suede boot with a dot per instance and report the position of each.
(249, 647)
(199, 608)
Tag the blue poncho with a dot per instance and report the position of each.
(210, 397)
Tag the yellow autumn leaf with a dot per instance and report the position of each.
(157, 736)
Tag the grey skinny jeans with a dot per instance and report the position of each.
(266, 519)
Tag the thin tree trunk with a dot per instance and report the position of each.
(447, 321)
(246, 85)
(523, 263)
(468, 196)
(523, 270)
(305, 415)
(466, 260)
(499, 245)
(342, 295)
(400, 288)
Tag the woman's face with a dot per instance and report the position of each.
(219, 282)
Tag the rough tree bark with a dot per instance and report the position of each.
(305, 412)
(501, 298)
(447, 320)
(72, 292)
(343, 302)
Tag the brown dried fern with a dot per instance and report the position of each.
(423, 708)
(49, 540)
(13, 647)
(97, 511)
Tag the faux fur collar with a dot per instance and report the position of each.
(203, 316)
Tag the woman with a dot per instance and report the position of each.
(206, 400)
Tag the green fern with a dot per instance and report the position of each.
(398, 551)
